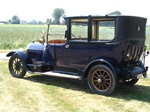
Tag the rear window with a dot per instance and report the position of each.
(103, 30)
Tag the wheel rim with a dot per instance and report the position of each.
(17, 66)
(101, 80)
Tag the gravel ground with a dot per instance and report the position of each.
(3, 56)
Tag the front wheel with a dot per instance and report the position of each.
(101, 80)
(16, 67)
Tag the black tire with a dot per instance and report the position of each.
(131, 82)
(16, 67)
(101, 80)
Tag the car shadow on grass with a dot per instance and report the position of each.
(78, 85)
(137, 92)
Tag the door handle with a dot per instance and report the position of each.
(67, 46)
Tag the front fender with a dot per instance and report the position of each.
(22, 55)
(99, 61)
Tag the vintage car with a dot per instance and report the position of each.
(107, 50)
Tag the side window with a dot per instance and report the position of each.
(79, 29)
(103, 30)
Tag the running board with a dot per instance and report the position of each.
(56, 74)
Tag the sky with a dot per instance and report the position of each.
(40, 10)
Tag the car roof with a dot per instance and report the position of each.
(127, 27)
(102, 16)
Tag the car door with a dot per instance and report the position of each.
(103, 35)
(75, 52)
(72, 54)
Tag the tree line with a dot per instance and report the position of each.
(57, 14)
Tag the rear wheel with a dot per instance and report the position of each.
(16, 67)
(101, 80)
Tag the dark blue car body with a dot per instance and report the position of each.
(93, 47)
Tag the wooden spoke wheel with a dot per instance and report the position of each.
(16, 67)
(101, 80)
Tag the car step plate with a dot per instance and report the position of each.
(56, 74)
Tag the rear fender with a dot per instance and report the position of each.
(23, 56)
(99, 61)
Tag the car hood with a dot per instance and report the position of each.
(36, 46)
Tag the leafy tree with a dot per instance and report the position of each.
(40, 22)
(48, 21)
(115, 13)
(15, 20)
(63, 22)
(57, 14)
(34, 22)
(9, 21)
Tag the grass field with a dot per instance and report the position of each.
(37, 93)
(148, 38)
(18, 36)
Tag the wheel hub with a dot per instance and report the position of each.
(17, 66)
(101, 80)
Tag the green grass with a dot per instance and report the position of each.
(37, 93)
(18, 36)
(148, 38)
